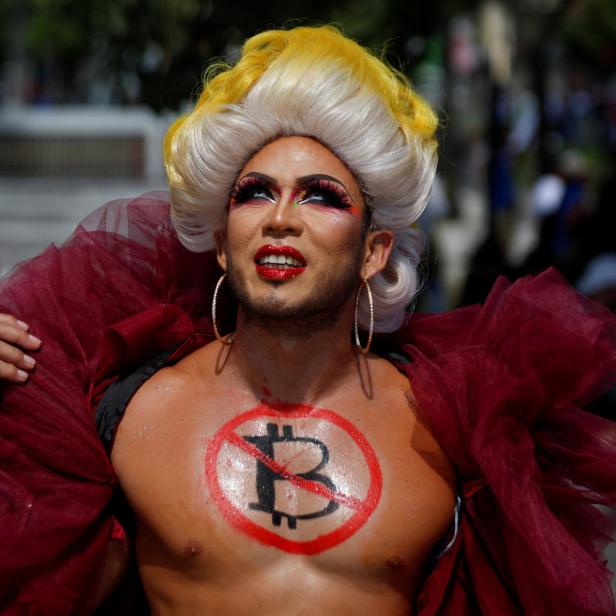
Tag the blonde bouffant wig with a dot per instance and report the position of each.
(317, 83)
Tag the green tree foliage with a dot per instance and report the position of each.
(153, 51)
(590, 29)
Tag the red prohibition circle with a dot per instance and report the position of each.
(363, 507)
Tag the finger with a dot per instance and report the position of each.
(9, 318)
(12, 355)
(16, 335)
(9, 372)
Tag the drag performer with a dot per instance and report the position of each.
(230, 399)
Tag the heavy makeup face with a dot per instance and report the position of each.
(294, 247)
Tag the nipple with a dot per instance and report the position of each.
(193, 549)
(395, 563)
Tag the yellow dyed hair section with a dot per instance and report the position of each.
(305, 47)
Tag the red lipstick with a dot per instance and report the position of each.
(294, 263)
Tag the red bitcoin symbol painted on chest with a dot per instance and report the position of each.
(273, 476)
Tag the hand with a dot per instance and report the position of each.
(14, 363)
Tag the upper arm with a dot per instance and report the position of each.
(116, 564)
(427, 446)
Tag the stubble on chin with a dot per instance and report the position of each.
(299, 319)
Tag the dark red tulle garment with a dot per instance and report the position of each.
(501, 385)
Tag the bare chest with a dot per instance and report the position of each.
(221, 488)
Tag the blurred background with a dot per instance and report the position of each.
(526, 94)
(525, 90)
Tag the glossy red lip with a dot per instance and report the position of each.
(275, 273)
(272, 273)
(287, 251)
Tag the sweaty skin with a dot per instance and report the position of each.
(226, 529)
(194, 561)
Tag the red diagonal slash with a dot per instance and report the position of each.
(361, 511)
(305, 484)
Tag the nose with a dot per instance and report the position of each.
(283, 217)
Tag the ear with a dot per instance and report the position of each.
(220, 238)
(377, 248)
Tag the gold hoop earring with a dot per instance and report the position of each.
(228, 339)
(363, 350)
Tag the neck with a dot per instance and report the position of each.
(290, 365)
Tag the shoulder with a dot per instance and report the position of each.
(156, 397)
(396, 391)
(150, 404)
(411, 450)
(170, 385)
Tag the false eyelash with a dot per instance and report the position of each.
(244, 189)
(332, 193)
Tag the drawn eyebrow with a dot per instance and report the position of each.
(305, 179)
(259, 176)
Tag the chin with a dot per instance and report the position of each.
(276, 304)
(301, 303)
(318, 310)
